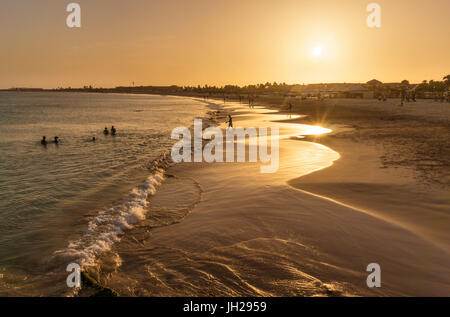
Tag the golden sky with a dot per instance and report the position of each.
(217, 42)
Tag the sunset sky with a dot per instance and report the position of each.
(217, 42)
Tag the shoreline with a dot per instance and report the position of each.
(387, 194)
(404, 194)
(296, 244)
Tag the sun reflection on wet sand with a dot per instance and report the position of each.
(317, 130)
(297, 157)
(263, 117)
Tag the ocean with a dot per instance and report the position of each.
(72, 200)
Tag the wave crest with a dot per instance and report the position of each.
(108, 225)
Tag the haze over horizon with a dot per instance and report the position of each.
(221, 42)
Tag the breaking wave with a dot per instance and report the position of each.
(108, 225)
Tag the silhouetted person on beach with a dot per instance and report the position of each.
(251, 102)
(230, 121)
(290, 107)
(113, 130)
(402, 96)
(43, 141)
(106, 132)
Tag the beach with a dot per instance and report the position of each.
(225, 156)
(337, 203)
(401, 155)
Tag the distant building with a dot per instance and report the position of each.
(333, 91)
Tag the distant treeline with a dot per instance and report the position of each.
(206, 89)
(378, 88)
(430, 86)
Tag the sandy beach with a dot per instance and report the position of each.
(220, 157)
(337, 203)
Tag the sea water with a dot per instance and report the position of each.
(70, 201)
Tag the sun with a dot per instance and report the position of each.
(317, 51)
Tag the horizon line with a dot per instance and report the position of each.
(210, 85)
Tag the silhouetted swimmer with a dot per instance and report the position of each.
(43, 141)
(106, 132)
(93, 139)
(113, 130)
(56, 140)
(230, 121)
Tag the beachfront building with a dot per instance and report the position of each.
(351, 91)
(332, 91)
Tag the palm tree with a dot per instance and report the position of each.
(447, 80)
(432, 85)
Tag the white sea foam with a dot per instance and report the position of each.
(107, 227)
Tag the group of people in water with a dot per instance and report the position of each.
(45, 142)
(106, 131)
(56, 139)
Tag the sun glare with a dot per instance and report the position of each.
(316, 130)
(317, 51)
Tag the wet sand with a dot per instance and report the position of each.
(361, 181)
(225, 229)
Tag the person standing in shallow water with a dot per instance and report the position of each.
(230, 121)
(106, 132)
(113, 130)
(43, 141)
